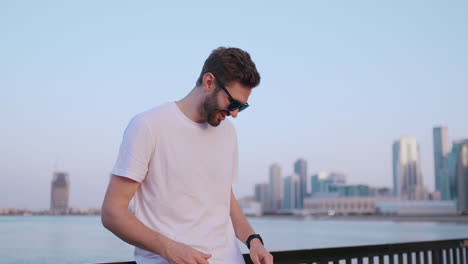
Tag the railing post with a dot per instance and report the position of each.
(437, 256)
(359, 260)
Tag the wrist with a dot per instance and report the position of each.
(253, 239)
(255, 242)
(168, 248)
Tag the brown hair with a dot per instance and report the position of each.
(231, 65)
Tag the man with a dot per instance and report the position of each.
(179, 160)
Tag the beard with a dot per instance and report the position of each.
(209, 109)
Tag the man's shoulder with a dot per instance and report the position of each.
(153, 118)
(156, 112)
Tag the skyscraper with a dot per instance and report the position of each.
(300, 168)
(262, 195)
(315, 184)
(452, 164)
(292, 189)
(461, 174)
(407, 175)
(441, 156)
(60, 193)
(276, 187)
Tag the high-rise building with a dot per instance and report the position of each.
(300, 168)
(407, 175)
(441, 156)
(60, 193)
(315, 184)
(322, 181)
(292, 189)
(461, 174)
(276, 187)
(262, 195)
(452, 164)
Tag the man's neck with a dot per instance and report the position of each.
(190, 105)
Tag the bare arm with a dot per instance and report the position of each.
(116, 217)
(243, 230)
(239, 221)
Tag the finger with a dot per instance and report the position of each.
(205, 256)
(201, 260)
(269, 259)
(266, 259)
(255, 259)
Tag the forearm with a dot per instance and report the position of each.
(131, 230)
(241, 225)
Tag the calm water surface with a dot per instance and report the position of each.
(82, 239)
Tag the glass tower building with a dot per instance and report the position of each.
(407, 175)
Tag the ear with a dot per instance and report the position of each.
(208, 82)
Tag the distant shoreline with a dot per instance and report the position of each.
(459, 219)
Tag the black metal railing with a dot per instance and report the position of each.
(429, 252)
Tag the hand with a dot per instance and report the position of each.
(178, 253)
(259, 254)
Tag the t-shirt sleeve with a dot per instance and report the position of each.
(135, 150)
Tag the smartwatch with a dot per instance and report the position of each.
(252, 237)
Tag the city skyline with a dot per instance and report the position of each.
(340, 82)
(450, 177)
(277, 178)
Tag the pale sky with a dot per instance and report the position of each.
(341, 80)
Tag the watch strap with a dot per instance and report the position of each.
(253, 236)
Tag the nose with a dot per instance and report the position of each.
(234, 113)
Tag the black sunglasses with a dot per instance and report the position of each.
(234, 103)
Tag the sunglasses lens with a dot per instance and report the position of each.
(243, 107)
(234, 106)
(237, 105)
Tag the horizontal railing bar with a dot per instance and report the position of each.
(324, 255)
(368, 250)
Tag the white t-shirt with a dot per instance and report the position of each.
(186, 170)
